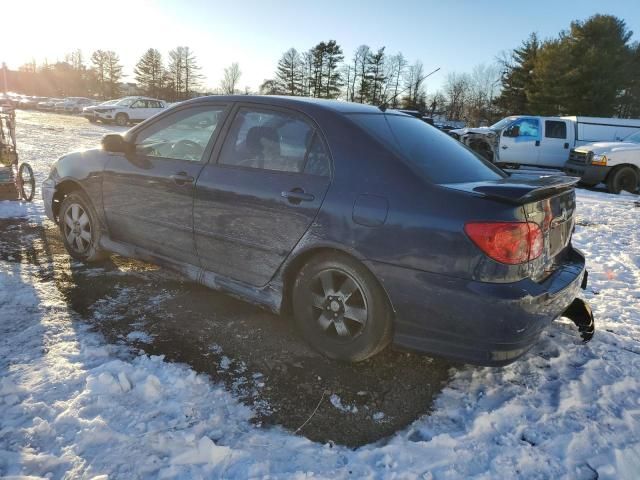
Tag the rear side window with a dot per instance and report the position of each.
(555, 129)
(437, 156)
(274, 140)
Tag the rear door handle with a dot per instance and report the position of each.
(297, 195)
(181, 178)
(504, 147)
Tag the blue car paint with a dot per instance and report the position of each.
(448, 297)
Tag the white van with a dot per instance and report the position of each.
(542, 141)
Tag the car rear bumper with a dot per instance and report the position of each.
(589, 174)
(477, 322)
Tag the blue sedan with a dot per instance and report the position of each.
(367, 225)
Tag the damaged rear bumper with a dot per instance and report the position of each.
(479, 322)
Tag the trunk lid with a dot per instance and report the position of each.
(547, 201)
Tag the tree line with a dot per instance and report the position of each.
(177, 79)
(370, 76)
(591, 69)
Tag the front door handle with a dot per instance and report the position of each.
(181, 178)
(537, 143)
(504, 147)
(297, 195)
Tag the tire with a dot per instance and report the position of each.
(340, 308)
(27, 182)
(93, 120)
(623, 178)
(80, 228)
(122, 119)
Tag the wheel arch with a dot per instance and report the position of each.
(295, 264)
(63, 189)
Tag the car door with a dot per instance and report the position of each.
(554, 144)
(519, 142)
(138, 110)
(148, 194)
(155, 106)
(254, 204)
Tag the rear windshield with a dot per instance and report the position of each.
(437, 156)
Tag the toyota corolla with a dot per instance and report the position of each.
(366, 225)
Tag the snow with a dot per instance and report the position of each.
(74, 406)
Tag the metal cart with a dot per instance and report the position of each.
(16, 179)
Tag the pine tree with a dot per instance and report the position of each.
(192, 76)
(99, 61)
(360, 86)
(375, 75)
(176, 72)
(149, 72)
(598, 51)
(289, 73)
(517, 77)
(113, 73)
(332, 58)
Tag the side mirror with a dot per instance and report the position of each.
(115, 143)
(513, 131)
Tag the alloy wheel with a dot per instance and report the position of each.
(77, 228)
(339, 305)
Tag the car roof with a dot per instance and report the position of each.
(300, 102)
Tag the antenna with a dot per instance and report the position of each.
(384, 106)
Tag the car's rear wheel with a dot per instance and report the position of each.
(341, 309)
(122, 119)
(80, 229)
(623, 178)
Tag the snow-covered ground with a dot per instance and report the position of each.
(74, 406)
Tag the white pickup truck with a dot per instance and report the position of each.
(617, 164)
(542, 141)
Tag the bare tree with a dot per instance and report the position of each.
(231, 78)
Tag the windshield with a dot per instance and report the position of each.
(502, 123)
(435, 154)
(634, 137)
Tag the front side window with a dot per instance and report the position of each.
(528, 127)
(184, 135)
(555, 129)
(273, 140)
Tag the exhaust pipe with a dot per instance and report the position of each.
(579, 312)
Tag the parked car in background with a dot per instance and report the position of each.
(129, 110)
(73, 104)
(49, 104)
(89, 112)
(27, 103)
(617, 164)
(541, 141)
(369, 226)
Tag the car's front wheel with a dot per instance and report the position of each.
(80, 229)
(122, 119)
(341, 309)
(623, 178)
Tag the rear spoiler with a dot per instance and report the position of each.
(519, 189)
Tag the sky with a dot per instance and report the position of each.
(455, 36)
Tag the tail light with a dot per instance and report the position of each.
(507, 242)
